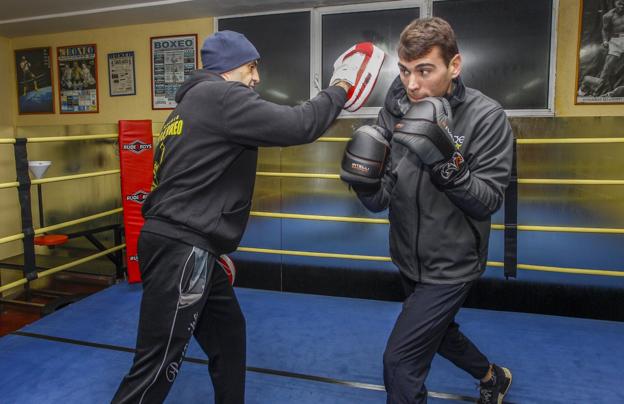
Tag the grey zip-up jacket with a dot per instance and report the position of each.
(205, 161)
(441, 237)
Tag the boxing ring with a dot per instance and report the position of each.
(317, 349)
(309, 349)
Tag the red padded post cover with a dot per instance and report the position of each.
(135, 157)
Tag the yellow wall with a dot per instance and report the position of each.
(567, 51)
(135, 38)
(7, 92)
(9, 223)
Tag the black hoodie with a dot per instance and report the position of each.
(205, 161)
(441, 236)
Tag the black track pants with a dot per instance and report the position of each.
(185, 293)
(426, 325)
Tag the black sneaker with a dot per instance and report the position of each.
(495, 389)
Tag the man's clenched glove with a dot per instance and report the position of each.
(427, 131)
(365, 158)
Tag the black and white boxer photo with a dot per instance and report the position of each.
(439, 157)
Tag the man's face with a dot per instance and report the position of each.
(619, 6)
(246, 74)
(428, 76)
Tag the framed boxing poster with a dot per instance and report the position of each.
(173, 58)
(77, 73)
(121, 78)
(35, 89)
(600, 62)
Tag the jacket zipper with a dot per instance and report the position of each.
(418, 184)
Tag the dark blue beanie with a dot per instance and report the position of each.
(226, 50)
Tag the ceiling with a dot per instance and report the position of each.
(49, 16)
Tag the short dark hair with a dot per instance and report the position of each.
(422, 35)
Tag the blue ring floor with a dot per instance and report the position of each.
(553, 359)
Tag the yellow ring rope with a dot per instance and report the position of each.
(48, 139)
(546, 181)
(578, 271)
(579, 140)
(62, 178)
(60, 268)
(62, 225)
(350, 219)
(572, 140)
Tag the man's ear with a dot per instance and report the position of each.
(455, 66)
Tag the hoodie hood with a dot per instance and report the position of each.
(398, 104)
(195, 78)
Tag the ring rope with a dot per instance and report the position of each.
(319, 217)
(62, 225)
(542, 268)
(48, 139)
(351, 219)
(62, 178)
(542, 181)
(556, 181)
(298, 175)
(573, 140)
(580, 140)
(314, 254)
(60, 268)
(564, 229)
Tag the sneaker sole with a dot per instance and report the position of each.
(502, 395)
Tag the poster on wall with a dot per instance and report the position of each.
(121, 79)
(34, 81)
(77, 72)
(173, 58)
(600, 65)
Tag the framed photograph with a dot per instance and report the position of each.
(35, 90)
(173, 58)
(78, 79)
(600, 64)
(121, 77)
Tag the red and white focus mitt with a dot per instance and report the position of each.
(228, 266)
(359, 66)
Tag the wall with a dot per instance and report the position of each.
(108, 40)
(137, 38)
(97, 194)
(9, 223)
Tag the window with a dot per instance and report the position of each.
(506, 45)
(382, 27)
(506, 48)
(283, 41)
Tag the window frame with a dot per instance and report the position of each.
(317, 39)
(549, 110)
(215, 24)
(426, 10)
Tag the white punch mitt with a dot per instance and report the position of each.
(359, 66)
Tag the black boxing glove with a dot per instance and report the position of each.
(426, 130)
(365, 158)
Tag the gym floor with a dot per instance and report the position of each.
(310, 349)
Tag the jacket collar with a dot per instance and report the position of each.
(397, 103)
